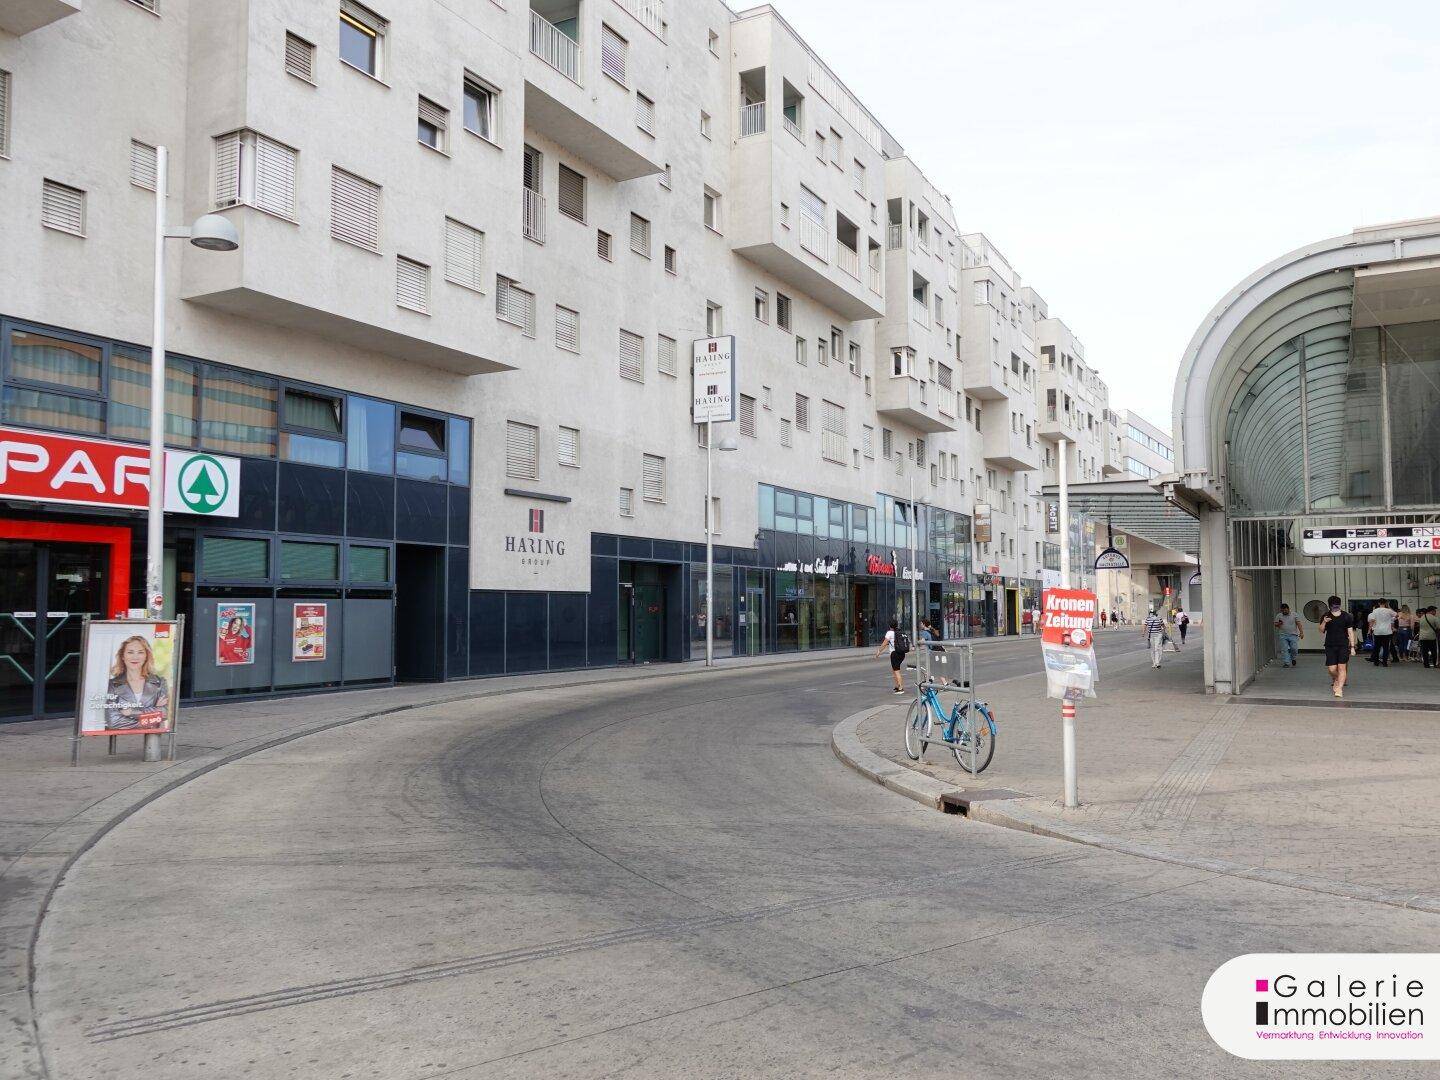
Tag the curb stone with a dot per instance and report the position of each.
(1014, 814)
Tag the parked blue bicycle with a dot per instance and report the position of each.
(968, 731)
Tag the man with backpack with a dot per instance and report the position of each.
(898, 644)
(1427, 629)
(1182, 623)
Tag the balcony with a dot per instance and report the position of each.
(919, 312)
(814, 238)
(534, 215)
(651, 14)
(555, 47)
(909, 401)
(598, 123)
(848, 259)
(752, 119)
(284, 276)
(895, 237)
(793, 128)
(877, 280)
(19, 17)
(984, 379)
(1007, 448)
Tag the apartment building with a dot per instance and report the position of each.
(1142, 449)
(449, 363)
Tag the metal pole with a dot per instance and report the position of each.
(155, 518)
(914, 527)
(1067, 708)
(709, 550)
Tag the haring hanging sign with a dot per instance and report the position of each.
(1067, 641)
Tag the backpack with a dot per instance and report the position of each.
(902, 642)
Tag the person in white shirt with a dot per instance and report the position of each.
(897, 644)
(1182, 623)
(1382, 626)
(1291, 632)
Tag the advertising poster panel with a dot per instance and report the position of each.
(1067, 640)
(234, 634)
(713, 374)
(129, 678)
(308, 640)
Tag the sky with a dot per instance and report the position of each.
(1136, 161)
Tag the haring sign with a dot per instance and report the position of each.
(41, 467)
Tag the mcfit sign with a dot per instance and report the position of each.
(40, 467)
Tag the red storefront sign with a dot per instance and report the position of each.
(874, 564)
(41, 467)
(1067, 617)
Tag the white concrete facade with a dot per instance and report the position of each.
(743, 191)
(1144, 450)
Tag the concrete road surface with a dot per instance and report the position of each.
(640, 880)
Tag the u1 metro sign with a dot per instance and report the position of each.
(39, 466)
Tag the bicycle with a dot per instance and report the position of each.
(971, 740)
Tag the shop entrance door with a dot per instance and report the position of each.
(46, 590)
(419, 613)
(648, 622)
(754, 618)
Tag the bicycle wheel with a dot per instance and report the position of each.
(917, 723)
(980, 728)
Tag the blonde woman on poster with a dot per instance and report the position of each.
(136, 696)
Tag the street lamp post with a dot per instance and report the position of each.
(726, 444)
(912, 570)
(212, 233)
(1067, 708)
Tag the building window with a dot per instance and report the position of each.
(820, 351)
(481, 114)
(644, 114)
(867, 440)
(567, 329)
(639, 235)
(887, 442)
(354, 209)
(239, 411)
(802, 352)
(652, 480)
(712, 210)
(714, 319)
(144, 165)
(902, 362)
(857, 173)
(299, 57)
(785, 215)
(522, 451)
(362, 34)
(613, 50)
(747, 415)
(233, 558)
(833, 433)
(570, 198)
(766, 399)
(464, 255)
(669, 259)
(665, 177)
(256, 171)
(567, 447)
(782, 311)
(433, 125)
(370, 435)
(306, 561)
(515, 305)
(412, 284)
(369, 564)
(802, 412)
(713, 43)
(4, 114)
(785, 437)
(836, 337)
(602, 244)
(666, 354)
(704, 123)
(627, 502)
(128, 412)
(762, 306)
(632, 356)
(62, 208)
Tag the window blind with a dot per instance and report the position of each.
(522, 451)
(639, 235)
(274, 177)
(644, 114)
(567, 329)
(227, 169)
(747, 415)
(571, 196)
(666, 354)
(627, 502)
(515, 305)
(436, 115)
(229, 558)
(412, 284)
(653, 478)
(802, 412)
(309, 562)
(299, 57)
(833, 432)
(567, 447)
(612, 54)
(4, 114)
(602, 244)
(784, 432)
(464, 255)
(632, 356)
(354, 209)
(62, 207)
(144, 165)
(369, 565)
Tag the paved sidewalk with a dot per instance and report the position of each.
(1341, 800)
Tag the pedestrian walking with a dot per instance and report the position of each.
(1155, 636)
(897, 644)
(1102, 620)
(1291, 632)
(1382, 631)
(1338, 628)
(1404, 632)
(1182, 623)
(1427, 628)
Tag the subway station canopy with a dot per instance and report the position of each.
(1138, 509)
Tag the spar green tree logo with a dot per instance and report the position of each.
(203, 484)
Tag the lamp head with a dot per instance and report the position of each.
(728, 442)
(214, 233)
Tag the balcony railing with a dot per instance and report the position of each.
(814, 238)
(792, 127)
(752, 119)
(876, 282)
(848, 259)
(651, 14)
(919, 312)
(895, 237)
(556, 48)
(534, 215)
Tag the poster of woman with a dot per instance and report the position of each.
(234, 634)
(130, 677)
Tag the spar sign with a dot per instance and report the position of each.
(1067, 642)
(37, 466)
